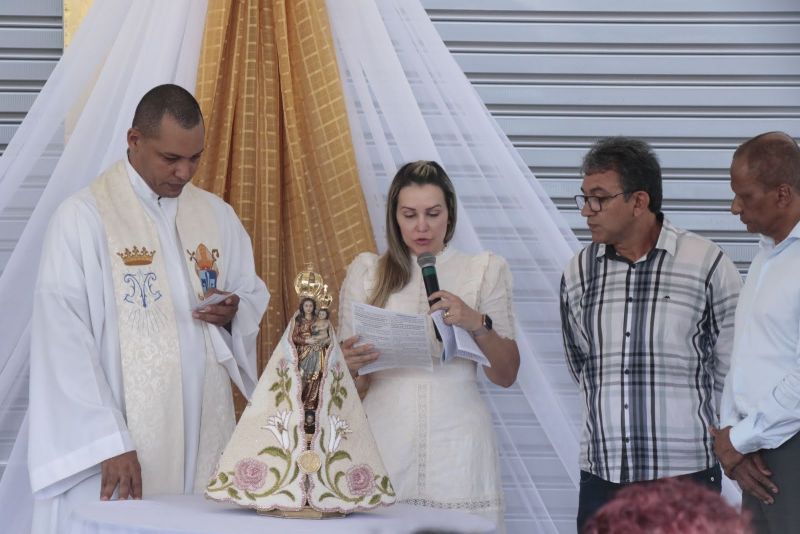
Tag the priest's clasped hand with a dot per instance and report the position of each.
(220, 314)
(123, 471)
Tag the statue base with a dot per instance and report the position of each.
(305, 513)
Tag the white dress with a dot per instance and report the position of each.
(433, 429)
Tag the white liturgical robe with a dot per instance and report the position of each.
(77, 401)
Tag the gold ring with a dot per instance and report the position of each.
(447, 313)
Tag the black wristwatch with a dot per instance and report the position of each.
(485, 326)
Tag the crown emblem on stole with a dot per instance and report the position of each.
(137, 256)
(309, 283)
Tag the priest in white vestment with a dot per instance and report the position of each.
(130, 369)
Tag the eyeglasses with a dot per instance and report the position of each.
(595, 203)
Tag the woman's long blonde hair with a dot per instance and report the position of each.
(394, 267)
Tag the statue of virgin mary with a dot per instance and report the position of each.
(303, 446)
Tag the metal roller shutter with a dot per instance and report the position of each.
(30, 45)
(31, 42)
(693, 78)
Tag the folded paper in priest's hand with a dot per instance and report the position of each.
(213, 298)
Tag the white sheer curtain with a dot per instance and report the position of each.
(75, 129)
(407, 100)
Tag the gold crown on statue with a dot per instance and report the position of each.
(137, 256)
(325, 298)
(309, 283)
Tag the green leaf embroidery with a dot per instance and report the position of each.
(223, 477)
(250, 495)
(339, 455)
(343, 392)
(233, 493)
(336, 478)
(322, 440)
(274, 471)
(375, 499)
(275, 386)
(286, 492)
(384, 483)
(279, 397)
(295, 438)
(325, 496)
(338, 402)
(274, 451)
(296, 472)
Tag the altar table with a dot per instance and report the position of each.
(193, 514)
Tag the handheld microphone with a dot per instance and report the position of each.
(427, 263)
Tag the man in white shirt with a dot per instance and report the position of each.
(130, 367)
(758, 444)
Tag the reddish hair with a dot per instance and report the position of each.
(667, 506)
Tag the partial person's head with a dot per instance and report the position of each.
(421, 209)
(322, 314)
(765, 179)
(667, 506)
(166, 139)
(621, 184)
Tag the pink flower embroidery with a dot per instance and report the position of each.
(360, 480)
(249, 474)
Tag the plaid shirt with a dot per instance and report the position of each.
(649, 344)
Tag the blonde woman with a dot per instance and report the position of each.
(432, 427)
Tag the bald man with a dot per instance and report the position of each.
(131, 368)
(758, 444)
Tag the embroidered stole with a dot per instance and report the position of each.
(149, 342)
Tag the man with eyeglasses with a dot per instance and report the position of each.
(759, 444)
(647, 315)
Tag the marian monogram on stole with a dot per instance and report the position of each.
(141, 293)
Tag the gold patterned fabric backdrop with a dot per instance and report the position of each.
(278, 145)
(74, 13)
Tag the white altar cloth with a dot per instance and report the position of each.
(185, 514)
